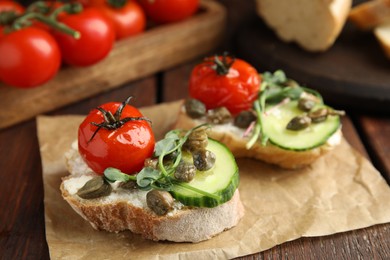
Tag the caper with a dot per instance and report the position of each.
(299, 123)
(128, 185)
(220, 115)
(291, 83)
(244, 119)
(197, 140)
(94, 188)
(161, 202)
(185, 172)
(195, 108)
(203, 160)
(306, 104)
(152, 163)
(318, 115)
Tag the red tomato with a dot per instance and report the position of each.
(124, 148)
(11, 6)
(29, 57)
(236, 89)
(96, 40)
(128, 20)
(167, 11)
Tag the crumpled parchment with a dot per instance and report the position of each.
(342, 191)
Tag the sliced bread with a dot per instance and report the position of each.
(128, 210)
(232, 137)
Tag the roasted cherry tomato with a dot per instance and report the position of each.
(167, 11)
(115, 135)
(29, 57)
(6, 5)
(127, 16)
(96, 40)
(225, 81)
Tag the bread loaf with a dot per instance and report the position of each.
(128, 210)
(312, 24)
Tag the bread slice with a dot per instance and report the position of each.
(127, 210)
(312, 24)
(370, 14)
(232, 137)
(382, 34)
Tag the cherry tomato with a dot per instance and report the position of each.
(11, 6)
(125, 147)
(29, 57)
(128, 19)
(96, 40)
(167, 11)
(224, 81)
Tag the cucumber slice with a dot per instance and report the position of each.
(221, 180)
(275, 120)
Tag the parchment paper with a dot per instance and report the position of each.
(341, 191)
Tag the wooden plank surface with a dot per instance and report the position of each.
(375, 132)
(156, 49)
(22, 230)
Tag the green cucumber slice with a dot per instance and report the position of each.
(221, 180)
(275, 120)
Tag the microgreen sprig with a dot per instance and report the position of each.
(161, 177)
(275, 88)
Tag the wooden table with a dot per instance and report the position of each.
(22, 227)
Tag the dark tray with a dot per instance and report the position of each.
(353, 74)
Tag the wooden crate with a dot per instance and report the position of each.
(156, 49)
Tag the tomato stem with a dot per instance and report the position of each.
(72, 8)
(25, 20)
(38, 11)
(7, 17)
(222, 64)
(117, 3)
(113, 122)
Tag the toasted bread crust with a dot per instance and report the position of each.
(186, 225)
(118, 212)
(287, 159)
